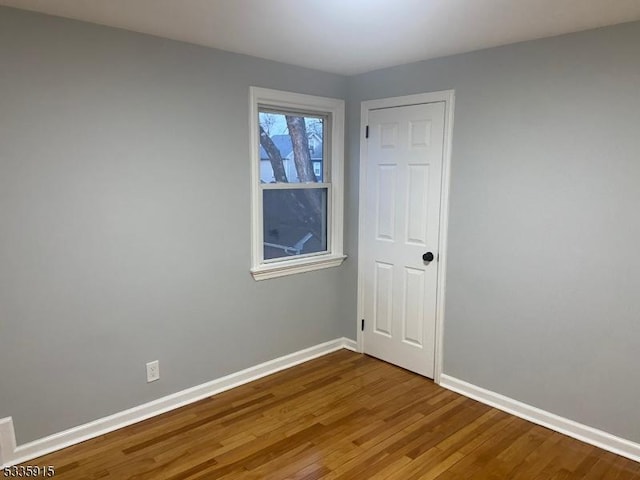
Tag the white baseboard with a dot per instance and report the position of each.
(7, 440)
(350, 344)
(585, 433)
(10, 454)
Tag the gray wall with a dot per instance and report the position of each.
(124, 222)
(544, 260)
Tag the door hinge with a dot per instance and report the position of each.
(366, 131)
(362, 325)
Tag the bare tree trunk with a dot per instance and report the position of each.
(274, 157)
(302, 160)
(300, 143)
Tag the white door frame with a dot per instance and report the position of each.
(448, 97)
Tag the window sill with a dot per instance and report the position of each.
(291, 267)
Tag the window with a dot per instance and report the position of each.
(297, 145)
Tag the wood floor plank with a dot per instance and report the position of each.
(341, 416)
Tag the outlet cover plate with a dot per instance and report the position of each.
(153, 371)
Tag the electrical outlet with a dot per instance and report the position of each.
(153, 371)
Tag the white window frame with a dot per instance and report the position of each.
(334, 108)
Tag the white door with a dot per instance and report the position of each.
(401, 225)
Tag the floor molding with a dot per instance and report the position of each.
(350, 344)
(7, 440)
(579, 431)
(12, 454)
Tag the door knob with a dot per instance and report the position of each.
(427, 257)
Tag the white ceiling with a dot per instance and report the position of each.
(345, 36)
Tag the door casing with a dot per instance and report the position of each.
(448, 97)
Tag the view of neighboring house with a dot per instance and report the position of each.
(283, 142)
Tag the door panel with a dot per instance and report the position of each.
(417, 205)
(413, 315)
(386, 208)
(383, 303)
(401, 222)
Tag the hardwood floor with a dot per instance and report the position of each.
(342, 416)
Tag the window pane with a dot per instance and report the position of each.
(291, 147)
(295, 222)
